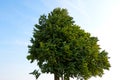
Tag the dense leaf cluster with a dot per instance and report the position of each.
(63, 48)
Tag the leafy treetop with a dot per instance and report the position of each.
(61, 47)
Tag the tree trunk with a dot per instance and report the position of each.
(62, 78)
(56, 77)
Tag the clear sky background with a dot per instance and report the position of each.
(17, 18)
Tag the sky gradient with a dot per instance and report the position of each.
(17, 18)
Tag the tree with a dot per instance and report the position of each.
(64, 49)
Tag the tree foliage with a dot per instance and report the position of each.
(62, 48)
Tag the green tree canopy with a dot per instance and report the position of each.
(62, 48)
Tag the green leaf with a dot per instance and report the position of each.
(35, 73)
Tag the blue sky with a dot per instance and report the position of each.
(17, 18)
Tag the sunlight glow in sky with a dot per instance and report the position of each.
(17, 18)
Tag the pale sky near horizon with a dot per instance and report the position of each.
(101, 18)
